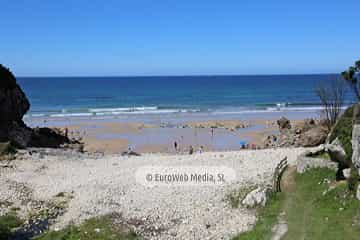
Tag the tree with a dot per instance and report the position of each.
(351, 76)
(331, 94)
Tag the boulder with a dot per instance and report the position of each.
(284, 123)
(313, 137)
(46, 137)
(346, 172)
(306, 162)
(257, 197)
(337, 153)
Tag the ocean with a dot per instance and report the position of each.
(113, 96)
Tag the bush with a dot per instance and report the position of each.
(7, 223)
(7, 148)
(343, 131)
(353, 180)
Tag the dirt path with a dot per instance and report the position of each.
(287, 186)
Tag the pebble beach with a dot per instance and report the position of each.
(105, 184)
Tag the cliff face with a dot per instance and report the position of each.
(13, 106)
(13, 102)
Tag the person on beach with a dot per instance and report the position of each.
(201, 149)
(212, 132)
(176, 146)
(191, 150)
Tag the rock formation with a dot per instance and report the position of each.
(307, 133)
(337, 153)
(13, 106)
(356, 139)
(284, 124)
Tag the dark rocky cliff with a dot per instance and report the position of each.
(13, 106)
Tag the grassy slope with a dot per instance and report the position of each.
(309, 213)
(267, 217)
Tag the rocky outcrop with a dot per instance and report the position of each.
(307, 161)
(337, 153)
(308, 133)
(13, 106)
(313, 137)
(14, 103)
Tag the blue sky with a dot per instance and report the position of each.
(180, 37)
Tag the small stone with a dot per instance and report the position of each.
(346, 172)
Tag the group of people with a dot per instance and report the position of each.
(191, 148)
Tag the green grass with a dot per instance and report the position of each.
(99, 228)
(314, 209)
(311, 214)
(7, 223)
(267, 217)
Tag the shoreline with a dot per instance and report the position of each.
(157, 134)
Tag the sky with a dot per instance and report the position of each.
(179, 37)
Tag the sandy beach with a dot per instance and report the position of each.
(149, 134)
(100, 185)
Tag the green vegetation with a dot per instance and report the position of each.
(343, 131)
(267, 218)
(6, 148)
(316, 207)
(7, 223)
(351, 76)
(99, 228)
(353, 180)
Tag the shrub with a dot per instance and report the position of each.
(7, 223)
(343, 131)
(353, 180)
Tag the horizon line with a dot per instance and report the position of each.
(175, 75)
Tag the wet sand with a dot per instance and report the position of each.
(157, 134)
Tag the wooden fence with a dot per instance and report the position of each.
(279, 170)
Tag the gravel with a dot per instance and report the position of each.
(107, 184)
